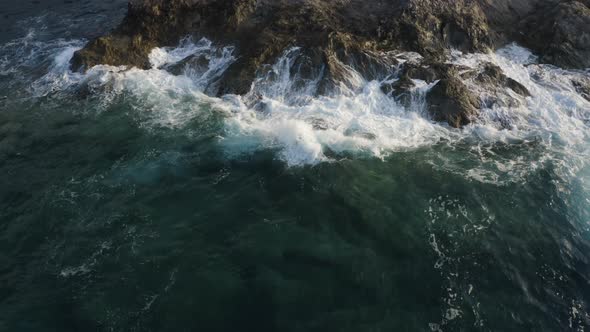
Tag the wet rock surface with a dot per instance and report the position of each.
(493, 76)
(356, 33)
(582, 87)
(451, 101)
(560, 32)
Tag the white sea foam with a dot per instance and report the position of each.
(167, 55)
(23, 54)
(59, 77)
(368, 122)
(555, 112)
(556, 115)
(283, 111)
(217, 60)
(360, 118)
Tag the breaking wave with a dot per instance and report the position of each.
(169, 118)
(284, 111)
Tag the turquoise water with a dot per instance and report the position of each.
(133, 201)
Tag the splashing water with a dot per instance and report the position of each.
(289, 116)
(347, 194)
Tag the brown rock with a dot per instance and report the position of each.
(334, 34)
(430, 27)
(560, 33)
(493, 76)
(451, 101)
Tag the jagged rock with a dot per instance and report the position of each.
(582, 86)
(340, 33)
(560, 33)
(400, 90)
(452, 102)
(148, 24)
(426, 71)
(429, 26)
(110, 50)
(429, 71)
(263, 28)
(493, 75)
(197, 63)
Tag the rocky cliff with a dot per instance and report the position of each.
(350, 31)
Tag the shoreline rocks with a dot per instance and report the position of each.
(451, 101)
(348, 31)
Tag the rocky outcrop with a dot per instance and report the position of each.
(582, 86)
(148, 24)
(493, 76)
(352, 32)
(452, 102)
(560, 33)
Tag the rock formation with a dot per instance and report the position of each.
(352, 30)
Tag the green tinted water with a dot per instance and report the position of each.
(107, 223)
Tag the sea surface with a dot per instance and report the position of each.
(134, 200)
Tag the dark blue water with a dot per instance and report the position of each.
(114, 218)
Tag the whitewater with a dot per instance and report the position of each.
(359, 120)
(122, 176)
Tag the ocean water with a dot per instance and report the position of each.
(135, 200)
